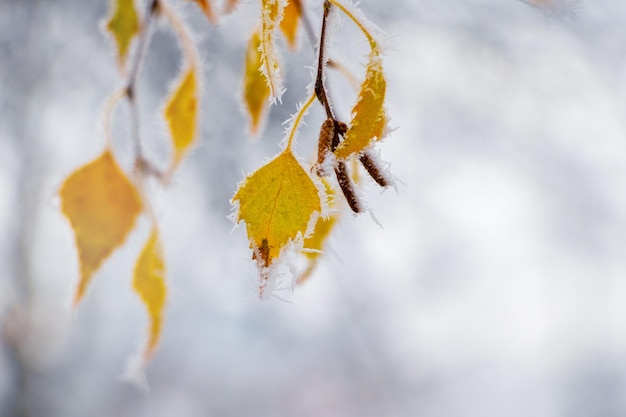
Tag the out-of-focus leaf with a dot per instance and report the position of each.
(368, 115)
(149, 283)
(181, 114)
(123, 25)
(271, 14)
(255, 89)
(291, 21)
(101, 205)
(314, 244)
(277, 203)
(207, 8)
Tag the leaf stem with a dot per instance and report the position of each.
(368, 35)
(109, 108)
(297, 119)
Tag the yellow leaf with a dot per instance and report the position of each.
(181, 114)
(271, 14)
(314, 244)
(124, 25)
(101, 205)
(277, 203)
(368, 115)
(289, 24)
(207, 8)
(149, 283)
(255, 89)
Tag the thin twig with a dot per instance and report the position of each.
(131, 82)
(320, 91)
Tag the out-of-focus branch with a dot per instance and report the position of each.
(129, 91)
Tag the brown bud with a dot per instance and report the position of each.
(347, 187)
(324, 143)
(340, 129)
(372, 168)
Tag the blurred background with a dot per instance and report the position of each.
(496, 285)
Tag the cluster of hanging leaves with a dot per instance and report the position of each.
(287, 205)
(100, 200)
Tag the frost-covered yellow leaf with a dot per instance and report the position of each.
(181, 114)
(289, 24)
(368, 115)
(124, 25)
(271, 14)
(149, 283)
(277, 203)
(255, 88)
(207, 9)
(101, 205)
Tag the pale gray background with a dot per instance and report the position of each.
(496, 287)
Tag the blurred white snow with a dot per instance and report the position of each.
(497, 285)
